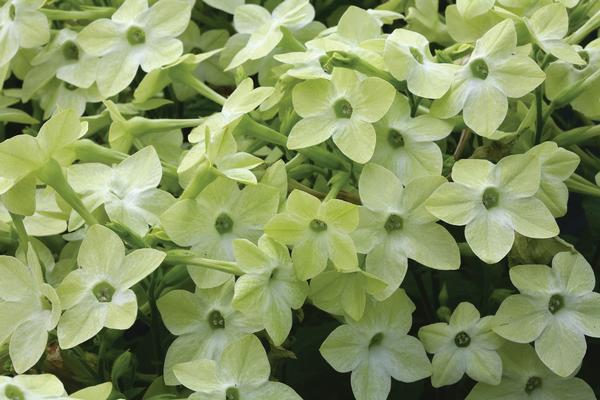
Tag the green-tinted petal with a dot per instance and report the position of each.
(454, 203)
(98, 37)
(342, 252)
(310, 256)
(561, 347)
(356, 139)
(476, 174)
(574, 272)
(485, 109)
(370, 381)
(376, 196)
(139, 264)
(531, 218)
(448, 366)
(490, 236)
(473, 8)
(246, 361)
(312, 131)
(484, 366)
(501, 38)
(27, 344)
(516, 76)
(199, 375)
(533, 279)
(340, 214)
(122, 311)
(521, 318)
(181, 311)
(464, 316)
(344, 349)
(406, 359)
(313, 97)
(102, 252)
(587, 313)
(80, 323)
(371, 99)
(432, 245)
(435, 336)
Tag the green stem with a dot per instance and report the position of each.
(68, 15)
(17, 221)
(579, 184)
(347, 60)
(52, 175)
(339, 180)
(577, 135)
(187, 78)
(186, 257)
(539, 118)
(591, 25)
(289, 41)
(204, 175)
(586, 158)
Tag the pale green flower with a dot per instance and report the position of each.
(305, 64)
(409, 59)
(405, 145)
(205, 323)
(58, 95)
(98, 294)
(464, 345)
(49, 218)
(395, 226)
(468, 30)
(558, 165)
(127, 190)
(318, 232)
(494, 201)
(269, 288)
(524, 377)
(21, 25)
(344, 108)
(548, 26)
(557, 308)
(494, 72)
(472, 8)
(262, 30)
(38, 387)
(377, 348)
(242, 372)
(424, 18)
(219, 215)
(228, 6)
(135, 36)
(29, 309)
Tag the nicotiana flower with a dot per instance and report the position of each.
(558, 165)
(58, 95)
(318, 232)
(127, 190)
(344, 108)
(562, 74)
(464, 345)
(395, 226)
(205, 323)
(472, 8)
(409, 59)
(524, 377)
(269, 287)
(494, 201)
(135, 36)
(242, 372)
(21, 25)
(98, 294)
(377, 347)
(211, 222)
(263, 29)
(424, 18)
(548, 26)
(21, 387)
(29, 308)
(556, 308)
(495, 71)
(405, 144)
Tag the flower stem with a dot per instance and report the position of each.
(204, 175)
(539, 118)
(186, 78)
(17, 221)
(52, 175)
(189, 258)
(590, 25)
(67, 15)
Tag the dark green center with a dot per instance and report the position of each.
(12, 12)
(533, 383)
(393, 223)
(11, 392)
(232, 393)
(223, 223)
(342, 109)
(416, 55)
(376, 339)
(135, 35)
(479, 68)
(70, 87)
(555, 303)
(104, 292)
(70, 50)
(216, 320)
(395, 139)
(317, 225)
(462, 339)
(490, 197)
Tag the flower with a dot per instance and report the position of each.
(494, 201)
(466, 344)
(135, 36)
(21, 25)
(395, 226)
(44, 386)
(98, 294)
(205, 323)
(377, 347)
(219, 215)
(318, 231)
(344, 108)
(495, 71)
(556, 308)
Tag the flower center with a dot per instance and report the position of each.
(462, 339)
(395, 139)
(12, 12)
(104, 292)
(490, 197)
(232, 393)
(416, 55)
(326, 64)
(70, 50)
(135, 35)
(586, 57)
(46, 304)
(70, 87)
(555, 303)
(376, 339)
(533, 383)
(317, 225)
(479, 68)
(216, 320)
(13, 393)
(393, 223)
(223, 223)
(342, 109)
